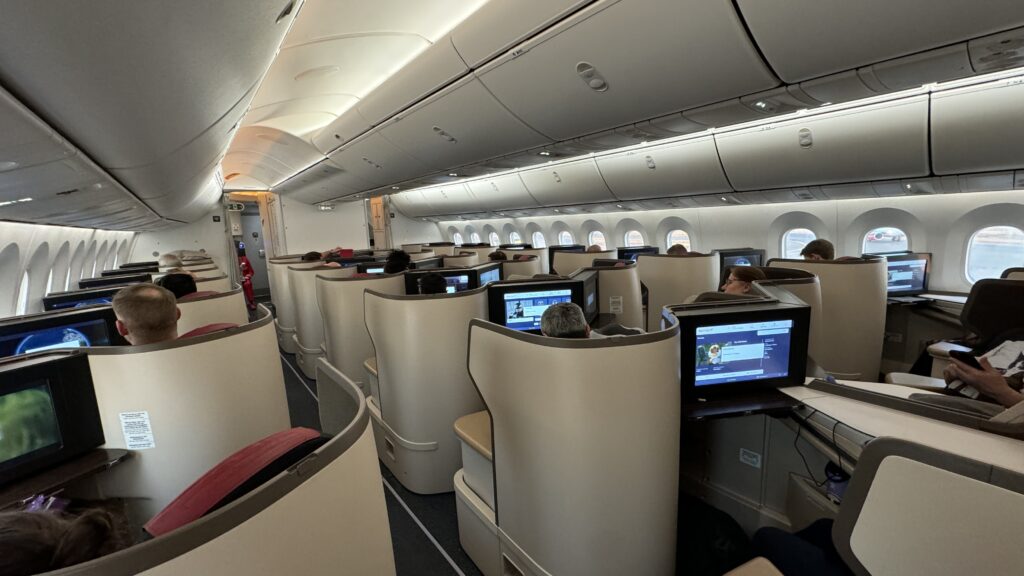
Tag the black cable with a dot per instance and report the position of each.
(796, 445)
(835, 445)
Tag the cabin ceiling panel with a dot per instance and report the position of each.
(583, 75)
(677, 168)
(267, 155)
(376, 161)
(502, 192)
(846, 35)
(978, 128)
(573, 182)
(501, 24)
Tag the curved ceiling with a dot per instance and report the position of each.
(336, 53)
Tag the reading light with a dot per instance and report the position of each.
(908, 186)
(618, 205)
(724, 199)
(453, 174)
(395, 187)
(760, 104)
(544, 153)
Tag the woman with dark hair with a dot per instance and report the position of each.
(741, 279)
(35, 542)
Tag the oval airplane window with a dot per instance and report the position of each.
(22, 305)
(514, 238)
(793, 241)
(457, 238)
(885, 239)
(538, 240)
(994, 249)
(565, 238)
(677, 237)
(596, 238)
(474, 238)
(493, 239)
(634, 238)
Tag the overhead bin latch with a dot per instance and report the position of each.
(594, 80)
(805, 138)
(650, 162)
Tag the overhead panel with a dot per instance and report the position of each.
(574, 182)
(673, 169)
(882, 140)
(582, 76)
(978, 128)
(323, 181)
(804, 39)
(450, 199)
(372, 160)
(501, 24)
(412, 204)
(267, 154)
(461, 125)
(503, 192)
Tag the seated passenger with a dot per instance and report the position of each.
(594, 248)
(819, 249)
(433, 283)
(677, 250)
(169, 260)
(741, 278)
(146, 314)
(395, 267)
(36, 542)
(311, 256)
(497, 256)
(564, 320)
(1001, 384)
(179, 284)
(809, 552)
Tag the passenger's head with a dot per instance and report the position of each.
(311, 256)
(169, 260)
(400, 256)
(394, 267)
(564, 320)
(819, 249)
(677, 250)
(433, 283)
(179, 284)
(740, 279)
(497, 256)
(146, 314)
(35, 542)
(594, 248)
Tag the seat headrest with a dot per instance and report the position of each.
(775, 273)
(234, 476)
(197, 295)
(994, 308)
(209, 328)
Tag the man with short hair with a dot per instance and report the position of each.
(497, 256)
(433, 283)
(564, 320)
(677, 250)
(819, 249)
(146, 314)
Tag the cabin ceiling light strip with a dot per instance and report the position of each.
(18, 201)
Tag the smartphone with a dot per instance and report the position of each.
(966, 358)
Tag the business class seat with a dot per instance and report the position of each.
(565, 263)
(805, 286)
(672, 279)
(619, 294)
(309, 324)
(212, 307)
(463, 260)
(853, 300)
(422, 255)
(524, 268)
(205, 398)
(584, 439)
(208, 329)
(346, 341)
(206, 272)
(442, 249)
(540, 253)
(481, 251)
(412, 248)
(421, 346)
(1013, 274)
(281, 297)
(219, 283)
(334, 494)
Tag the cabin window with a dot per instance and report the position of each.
(565, 238)
(596, 238)
(793, 241)
(677, 237)
(538, 240)
(634, 238)
(457, 238)
(885, 239)
(474, 238)
(67, 279)
(494, 239)
(49, 282)
(994, 249)
(22, 306)
(514, 238)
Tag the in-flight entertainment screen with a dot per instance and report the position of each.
(28, 422)
(81, 303)
(456, 283)
(906, 275)
(741, 260)
(77, 335)
(742, 352)
(493, 275)
(523, 310)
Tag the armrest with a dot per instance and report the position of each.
(475, 430)
(757, 567)
(370, 364)
(941, 349)
(915, 381)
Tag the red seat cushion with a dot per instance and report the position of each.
(197, 295)
(217, 327)
(211, 488)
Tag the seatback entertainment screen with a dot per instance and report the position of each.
(28, 422)
(75, 335)
(523, 310)
(732, 353)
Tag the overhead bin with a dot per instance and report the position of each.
(673, 169)
(343, 129)
(323, 181)
(838, 39)
(500, 24)
(978, 128)
(878, 141)
(461, 125)
(450, 199)
(576, 78)
(373, 160)
(575, 182)
(503, 192)
(412, 204)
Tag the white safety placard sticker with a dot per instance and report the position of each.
(138, 433)
(615, 304)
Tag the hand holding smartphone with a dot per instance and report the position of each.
(966, 358)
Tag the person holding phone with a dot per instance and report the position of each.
(1001, 382)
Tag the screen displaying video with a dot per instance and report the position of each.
(28, 422)
(741, 260)
(456, 283)
(78, 335)
(742, 352)
(524, 310)
(379, 270)
(82, 303)
(906, 275)
(490, 276)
